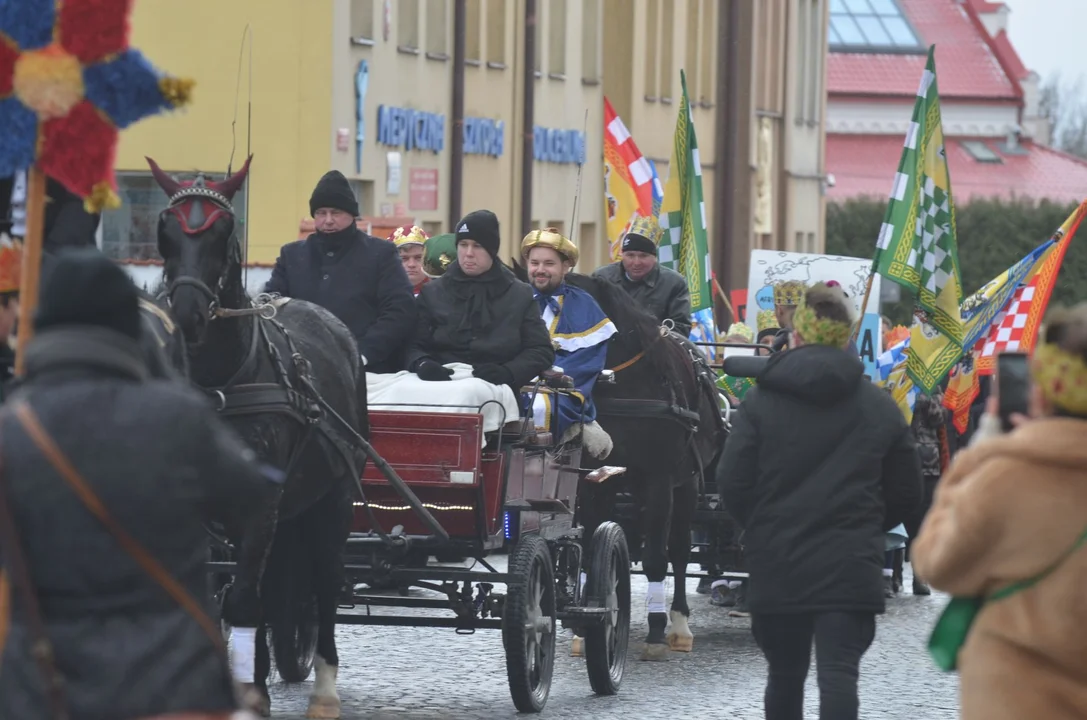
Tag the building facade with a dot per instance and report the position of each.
(367, 87)
(756, 79)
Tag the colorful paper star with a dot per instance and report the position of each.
(68, 83)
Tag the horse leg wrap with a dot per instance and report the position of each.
(243, 650)
(654, 598)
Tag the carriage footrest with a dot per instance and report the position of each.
(577, 617)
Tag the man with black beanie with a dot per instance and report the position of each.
(356, 277)
(480, 314)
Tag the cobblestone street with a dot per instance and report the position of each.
(433, 673)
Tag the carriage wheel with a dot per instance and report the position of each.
(608, 585)
(295, 645)
(528, 624)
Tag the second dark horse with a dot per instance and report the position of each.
(280, 378)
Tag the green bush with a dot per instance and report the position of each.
(992, 235)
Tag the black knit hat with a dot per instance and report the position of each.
(481, 226)
(84, 287)
(638, 243)
(333, 191)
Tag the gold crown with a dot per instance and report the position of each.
(647, 227)
(408, 235)
(820, 331)
(789, 292)
(550, 238)
(11, 264)
(767, 320)
(740, 329)
(1062, 377)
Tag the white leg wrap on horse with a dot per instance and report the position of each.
(654, 598)
(324, 684)
(679, 624)
(243, 650)
(583, 581)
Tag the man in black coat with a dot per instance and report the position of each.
(357, 278)
(819, 465)
(480, 314)
(161, 461)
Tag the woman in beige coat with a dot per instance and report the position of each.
(1010, 507)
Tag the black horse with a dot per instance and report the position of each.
(287, 376)
(663, 417)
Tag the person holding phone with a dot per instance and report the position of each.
(1013, 508)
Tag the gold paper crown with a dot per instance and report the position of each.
(550, 238)
(789, 292)
(742, 330)
(647, 227)
(408, 235)
(1062, 377)
(11, 262)
(767, 320)
(820, 331)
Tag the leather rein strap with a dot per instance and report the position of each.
(71, 476)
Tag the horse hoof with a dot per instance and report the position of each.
(323, 709)
(256, 701)
(577, 647)
(655, 652)
(680, 643)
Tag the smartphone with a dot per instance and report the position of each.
(1013, 386)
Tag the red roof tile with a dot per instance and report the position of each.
(1009, 57)
(984, 6)
(866, 164)
(966, 64)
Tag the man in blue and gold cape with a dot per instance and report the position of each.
(579, 330)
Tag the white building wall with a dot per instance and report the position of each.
(893, 118)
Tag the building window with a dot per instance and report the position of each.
(407, 25)
(980, 151)
(667, 82)
(473, 31)
(590, 40)
(652, 42)
(872, 25)
(496, 33)
(131, 231)
(437, 24)
(556, 34)
(709, 50)
(691, 64)
(811, 243)
(362, 20)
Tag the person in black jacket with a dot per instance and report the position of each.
(357, 278)
(819, 465)
(480, 314)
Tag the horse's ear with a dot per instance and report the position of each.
(230, 186)
(167, 183)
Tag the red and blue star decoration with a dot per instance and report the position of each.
(68, 83)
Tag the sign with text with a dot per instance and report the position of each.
(558, 146)
(483, 136)
(423, 189)
(410, 129)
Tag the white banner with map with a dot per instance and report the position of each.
(771, 266)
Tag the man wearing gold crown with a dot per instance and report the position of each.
(410, 242)
(787, 295)
(659, 291)
(579, 331)
(11, 258)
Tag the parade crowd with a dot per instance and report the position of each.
(819, 467)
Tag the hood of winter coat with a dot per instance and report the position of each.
(814, 373)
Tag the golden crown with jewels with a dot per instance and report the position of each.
(789, 292)
(1062, 378)
(647, 227)
(408, 235)
(767, 320)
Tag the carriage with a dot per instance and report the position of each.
(451, 485)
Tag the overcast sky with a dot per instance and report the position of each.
(1048, 34)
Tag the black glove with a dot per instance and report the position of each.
(432, 370)
(494, 374)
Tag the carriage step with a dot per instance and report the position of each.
(575, 617)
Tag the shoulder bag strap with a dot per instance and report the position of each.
(60, 463)
(41, 648)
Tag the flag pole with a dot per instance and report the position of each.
(864, 306)
(30, 272)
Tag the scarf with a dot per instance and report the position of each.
(477, 294)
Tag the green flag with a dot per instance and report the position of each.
(917, 246)
(683, 246)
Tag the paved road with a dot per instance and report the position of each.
(424, 673)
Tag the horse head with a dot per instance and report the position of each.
(200, 251)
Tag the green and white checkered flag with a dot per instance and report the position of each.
(683, 246)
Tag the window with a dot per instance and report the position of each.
(709, 50)
(496, 33)
(872, 25)
(556, 34)
(407, 25)
(131, 231)
(436, 26)
(811, 243)
(652, 36)
(980, 151)
(590, 40)
(473, 21)
(691, 64)
(667, 82)
(362, 20)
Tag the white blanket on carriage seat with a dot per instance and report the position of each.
(405, 392)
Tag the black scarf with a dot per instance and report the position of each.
(477, 294)
(334, 241)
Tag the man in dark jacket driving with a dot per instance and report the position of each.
(357, 278)
(819, 465)
(478, 313)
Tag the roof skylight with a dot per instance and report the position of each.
(870, 26)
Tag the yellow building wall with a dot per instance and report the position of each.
(291, 102)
